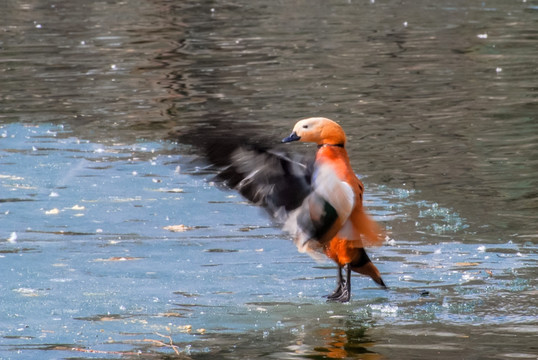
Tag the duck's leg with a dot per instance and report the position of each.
(339, 285)
(346, 290)
(342, 293)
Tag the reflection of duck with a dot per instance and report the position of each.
(319, 202)
(345, 344)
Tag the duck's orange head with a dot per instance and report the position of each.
(321, 131)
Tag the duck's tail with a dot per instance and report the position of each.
(363, 265)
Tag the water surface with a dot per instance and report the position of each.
(115, 242)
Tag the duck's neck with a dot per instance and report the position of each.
(337, 145)
(331, 152)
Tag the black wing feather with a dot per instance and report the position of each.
(267, 177)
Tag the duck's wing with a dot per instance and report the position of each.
(263, 173)
(310, 201)
(269, 178)
(362, 230)
(322, 213)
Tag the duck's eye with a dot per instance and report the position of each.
(305, 126)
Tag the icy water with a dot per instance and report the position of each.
(115, 243)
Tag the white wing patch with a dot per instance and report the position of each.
(327, 187)
(337, 192)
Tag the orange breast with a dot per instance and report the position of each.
(338, 159)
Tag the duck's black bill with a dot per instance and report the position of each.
(292, 137)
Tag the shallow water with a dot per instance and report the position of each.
(115, 242)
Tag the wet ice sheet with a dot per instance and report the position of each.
(114, 251)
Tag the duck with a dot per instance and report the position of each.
(316, 198)
(332, 220)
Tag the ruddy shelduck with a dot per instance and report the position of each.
(319, 202)
(331, 220)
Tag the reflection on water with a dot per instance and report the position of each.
(342, 344)
(114, 243)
